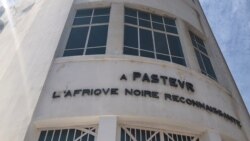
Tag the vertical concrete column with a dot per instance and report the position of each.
(210, 136)
(187, 46)
(107, 128)
(29, 65)
(116, 29)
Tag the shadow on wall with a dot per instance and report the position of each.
(21, 9)
(2, 10)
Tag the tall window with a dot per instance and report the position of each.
(89, 32)
(152, 36)
(135, 134)
(202, 56)
(78, 134)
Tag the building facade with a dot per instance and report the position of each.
(117, 70)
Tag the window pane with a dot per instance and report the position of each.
(165, 137)
(153, 139)
(147, 54)
(130, 51)
(100, 19)
(143, 134)
(184, 138)
(144, 15)
(158, 26)
(77, 38)
(98, 36)
(144, 23)
(71, 135)
(202, 48)
(42, 136)
(85, 138)
(158, 137)
(63, 135)
(127, 137)
(73, 52)
(77, 134)
(84, 12)
(131, 37)
(171, 135)
(156, 18)
(133, 132)
(199, 40)
(67, 135)
(56, 135)
(92, 51)
(146, 40)
(49, 135)
(161, 43)
(200, 61)
(203, 60)
(138, 136)
(180, 61)
(171, 29)
(208, 66)
(169, 21)
(179, 138)
(163, 57)
(130, 12)
(81, 21)
(91, 137)
(130, 20)
(175, 137)
(102, 11)
(148, 134)
(175, 46)
(192, 38)
(122, 135)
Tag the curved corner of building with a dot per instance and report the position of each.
(117, 70)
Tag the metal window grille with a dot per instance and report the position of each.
(134, 134)
(72, 134)
(179, 137)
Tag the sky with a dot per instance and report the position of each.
(230, 22)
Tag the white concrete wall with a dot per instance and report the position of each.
(105, 72)
(25, 59)
(31, 74)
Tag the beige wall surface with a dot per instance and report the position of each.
(32, 68)
(105, 72)
(27, 50)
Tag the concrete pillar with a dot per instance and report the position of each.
(187, 46)
(25, 74)
(116, 29)
(107, 128)
(210, 136)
